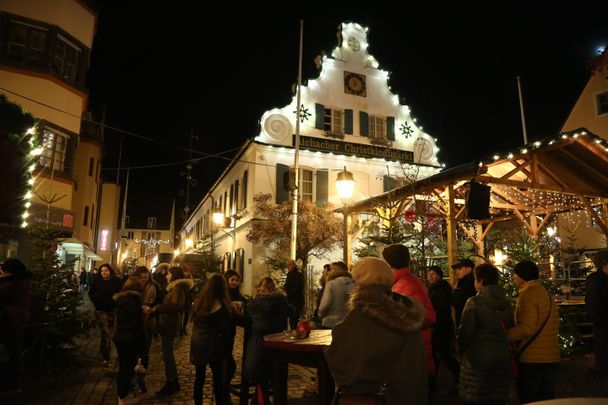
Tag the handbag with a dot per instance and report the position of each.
(373, 398)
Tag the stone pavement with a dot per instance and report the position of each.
(92, 384)
(95, 385)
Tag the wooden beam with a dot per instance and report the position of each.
(518, 167)
(479, 242)
(544, 222)
(487, 230)
(594, 215)
(460, 212)
(523, 220)
(537, 186)
(451, 231)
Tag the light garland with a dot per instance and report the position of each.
(34, 153)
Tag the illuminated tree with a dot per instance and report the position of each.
(319, 230)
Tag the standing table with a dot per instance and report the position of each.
(307, 352)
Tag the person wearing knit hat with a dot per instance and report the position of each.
(15, 307)
(407, 284)
(378, 316)
(596, 299)
(538, 354)
(371, 270)
(526, 271)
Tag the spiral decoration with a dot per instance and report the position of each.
(277, 127)
(424, 150)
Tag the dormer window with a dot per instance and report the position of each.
(151, 222)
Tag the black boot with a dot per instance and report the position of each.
(170, 388)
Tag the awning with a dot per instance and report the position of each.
(76, 247)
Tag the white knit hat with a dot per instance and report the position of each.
(371, 270)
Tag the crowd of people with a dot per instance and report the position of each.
(390, 330)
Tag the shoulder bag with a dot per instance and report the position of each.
(375, 398)
(529, 342)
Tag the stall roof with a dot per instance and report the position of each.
(567, 173)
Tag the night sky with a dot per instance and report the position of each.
(165, 73)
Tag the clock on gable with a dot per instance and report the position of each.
(354, 83)
(354, 44)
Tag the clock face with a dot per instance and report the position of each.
(354, 83)
(354, 44)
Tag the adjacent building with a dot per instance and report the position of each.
(44, 56)
(349, 118)
(591, 112)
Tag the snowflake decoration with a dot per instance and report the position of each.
(406, 130)
(304, 114)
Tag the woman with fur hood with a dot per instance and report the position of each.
(384, 332)
(338, 288)
(170, 313)
(268, 310)
(128, 335)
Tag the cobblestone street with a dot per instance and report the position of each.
(93, 384)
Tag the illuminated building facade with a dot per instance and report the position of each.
(348, 118)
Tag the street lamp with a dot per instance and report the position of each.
(345, 185)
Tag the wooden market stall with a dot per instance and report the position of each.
(530, 185)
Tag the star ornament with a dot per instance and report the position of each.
(304, 114)
(406, 130)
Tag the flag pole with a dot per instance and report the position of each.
(521, 110)
(296, 162)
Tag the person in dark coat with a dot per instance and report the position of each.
(440, 294)
(151, 296)
(294, 288)
(210, 342)
(15, 309)
(319, 296)
(482, 341)
(170, 313)
(465, 287)
(596, 299)
(269, 312)
(380, 339)
(238, 304)
(128, 335)
(160, 275)
(103, 288)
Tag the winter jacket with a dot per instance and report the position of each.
(170, 311)
(129, 317)
(405, 283)
(533, 305)
(294, 288)
(15, 305)
(211, 338)
(102, 290)
(334, 303)
(151, 296)
(268, 315)
(377, 334)
(596, 299)
(486, 358)
(464, 290)
(440, 294)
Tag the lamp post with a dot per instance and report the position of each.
(345, 185)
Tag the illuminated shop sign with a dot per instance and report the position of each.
(104, 240)
(357, 149)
